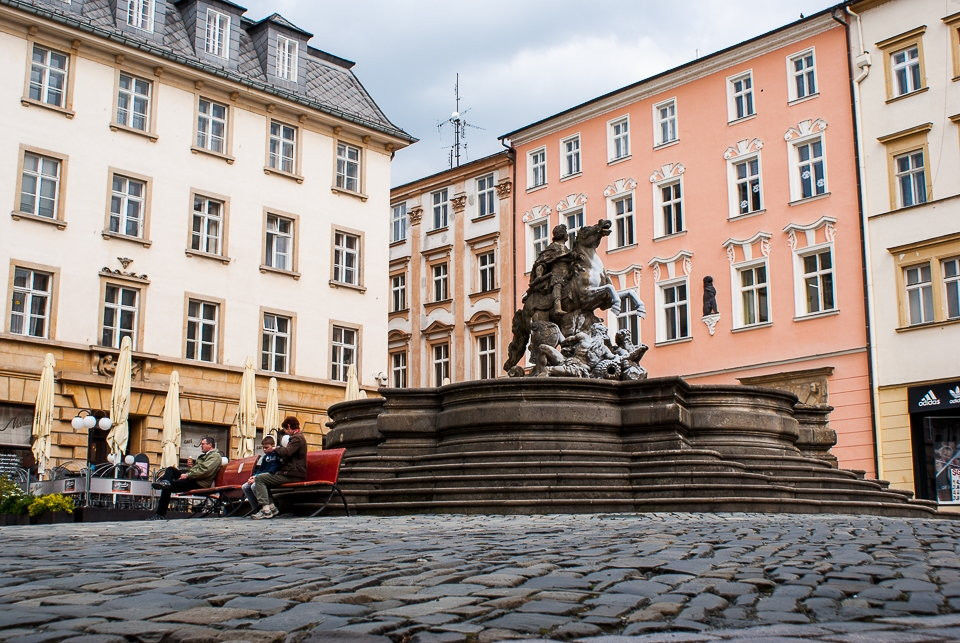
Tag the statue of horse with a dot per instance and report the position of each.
(586, 287)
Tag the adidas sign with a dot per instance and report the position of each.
(954, 395)
(929, 400)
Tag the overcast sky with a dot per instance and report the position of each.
(518, 60)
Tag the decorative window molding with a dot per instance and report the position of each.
(668, 209)
(680, 264)
(807, 158)
(744, 177)
(121, 306)
(814, 267)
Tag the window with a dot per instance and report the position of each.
(343, 352)
(951, 285)
(802, 72)
(539, 239)
(919, 294)
(217, 41)
(486, 196)
(740, 91)
(629, 317)
(665, 117)
(398, 369)
(570, 151)
(441, 208)
(140, 14)
(211, 126)
(40, 185)
(817, 276)
(48, 77)
(753, 304)
(287, 58)
(346, 258)
(127, 206)
(202, 330)
(911, 178)
(573, 220)
(398, 291)
(31, 302)
(398, 223)
(283, 147)
(441, 363)
(487, 265)
(207, 225)
(928, 278)
(676, 313)
(275, 343)
(671, 208)
(623, 224)
(537, 168)
(133, 102)
(487, 356)
(747, 184)
(905, 67)
(279, 248)
(810, 176)
(348, 167)
(619, 142)
(440, 282)
(120, 313)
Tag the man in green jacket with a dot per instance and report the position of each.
(200, 476)
(293, 469)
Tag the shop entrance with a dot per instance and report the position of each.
(941, 436)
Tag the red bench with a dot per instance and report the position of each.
(320, 485)
(225, 494)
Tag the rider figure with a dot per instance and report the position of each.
(556, 258)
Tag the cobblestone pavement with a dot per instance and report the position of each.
(609, 577)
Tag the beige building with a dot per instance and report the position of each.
(906, 63)
(451, 274)
(211, 187)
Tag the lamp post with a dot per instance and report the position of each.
(88, 419)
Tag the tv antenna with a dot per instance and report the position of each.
(457, 151)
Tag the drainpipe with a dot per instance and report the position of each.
(513, 225)
(863, 64)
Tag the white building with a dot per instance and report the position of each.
(211, 186)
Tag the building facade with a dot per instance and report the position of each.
(735, 248)
(211, 187)
(451, 274)
(905, 58)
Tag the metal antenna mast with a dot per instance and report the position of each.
(460, 125)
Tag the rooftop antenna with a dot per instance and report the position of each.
(457, 151)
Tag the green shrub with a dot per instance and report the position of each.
(51, 502)
(13, 499)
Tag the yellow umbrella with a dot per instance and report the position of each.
(120, 402)
(43, 415)
(271, 412)
(353, 385)
(171, 424)
(248, 411)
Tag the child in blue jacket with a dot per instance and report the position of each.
(268, 463)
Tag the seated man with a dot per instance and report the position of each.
(200, 476)
(293, 469)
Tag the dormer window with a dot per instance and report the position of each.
(140, 14)
(286, 58)
(218, 34)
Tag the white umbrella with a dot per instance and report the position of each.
(353, 385)
(120, 402)
(248, 411)
(43, 415)
(271, 412)
(171, 424)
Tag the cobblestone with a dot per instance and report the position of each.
(593, 578)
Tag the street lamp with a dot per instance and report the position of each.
(88, 419)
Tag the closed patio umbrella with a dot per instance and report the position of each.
(43, 415)
(170, 456)
(271, 412)
(248, 411)
(353, 385)
(120, 402)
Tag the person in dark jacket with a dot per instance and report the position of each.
(294, 468)
(269, 462)
(200, 476)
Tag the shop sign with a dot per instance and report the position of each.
(934, 397)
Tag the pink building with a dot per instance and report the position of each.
(739, 166)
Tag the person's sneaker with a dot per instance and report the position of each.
(161, 484)
(157, 517)
(260, 515)
(272, 509)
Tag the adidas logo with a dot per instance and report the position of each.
(929, 399)
(954, 395)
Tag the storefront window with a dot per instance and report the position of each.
(191, 434)
(945, 442)
(935, 418)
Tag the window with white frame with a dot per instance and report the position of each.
(629, 317)
(398, 369)
(31, 301)
(919, 294)
(441, 290)
(486, 263)
(810, 177)
(570, 152)
(48, 76)
(675, 311)
(441, 363)
(803, 75)
(398, 292)
(669, 198)
(40, 185)
(346, 258)
(287, 51)
(343, 352)
(279, 243)
(537, 168)
(211, 126)
(905, 68)
(275, 336)
(487, 356)
(665, 119)
(817, 287)
(539, 239)
(120, 313)
(740, 92)
(207, 225)
(398, 222)
(574, 220)
(486, 196)
(951, 283)
(283, 147)
(441, 208)
(928, 275)
(752, 306)
(140, 14)
(623, 223)
(202, 326)
(348, 167)
(127, 205)
(217, 40)
(911, 178)
(619, 138)
(133, 102)
(747, 185)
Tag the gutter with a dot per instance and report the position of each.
(513, 228)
